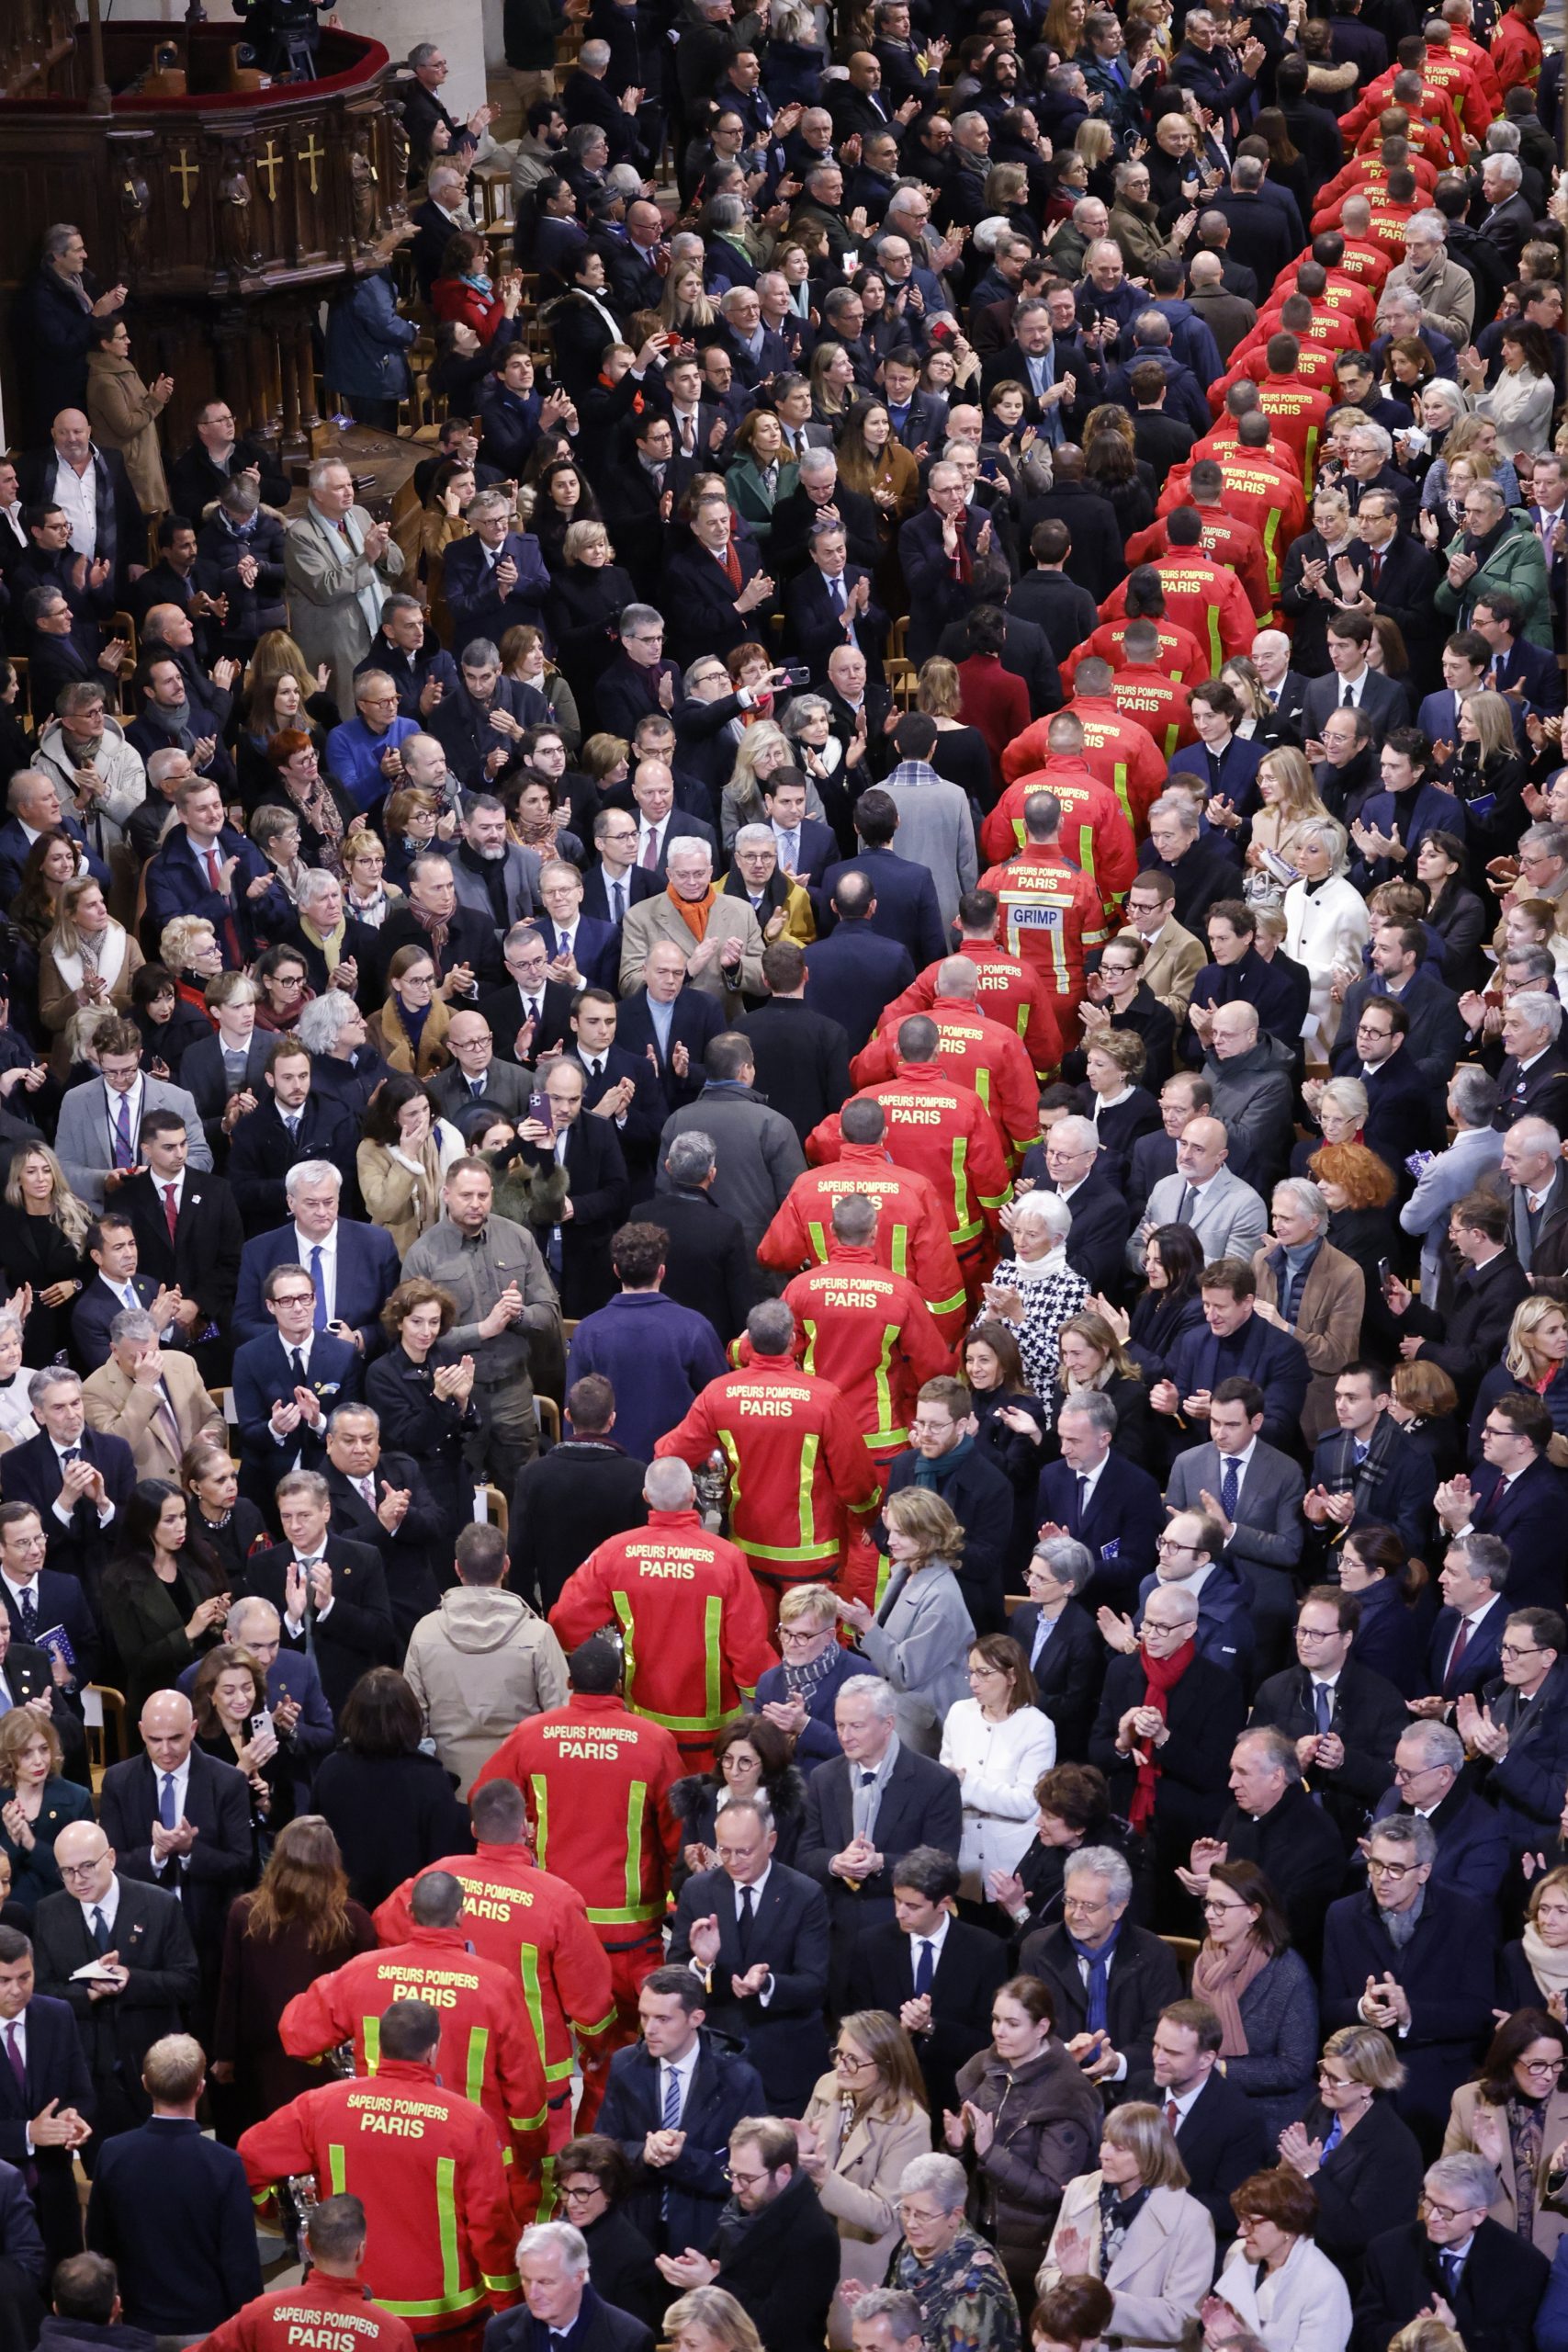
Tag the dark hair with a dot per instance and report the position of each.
(592, 2152)
(1077, 2309)
(84, 2287)
(1077, 1794)
(1281, 2197)
(990, 1333)
(378, 1120)
(1508, 2044)
(773, 1749)
(382, 1716)
(137, 1532)
(1249, 1885)
(1181, 1255)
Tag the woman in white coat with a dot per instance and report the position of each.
(922, 1630)
(1133, 2226)
(1326, 923)
(999, 1744)
(1302, 2304)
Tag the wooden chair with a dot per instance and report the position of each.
(549, 1412)
(898, 639)
(111, 1706)
(1186, 1949)
(903, 680)
(496, 1508)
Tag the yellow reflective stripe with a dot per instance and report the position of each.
(885, 1434)
(638, 1915)
(434, 2308)
(371, 2028)
(786, 1551)
(337, 2167)
(1086, 849)
(939, 1306)
(1271, 529)
(623, 1607)
(529, 2122)
(965, 1226)
(478, 2044)
(1119, 784)
(446, 2224)
(541, 1815)
(983, 1085)
(713, 1683)
(637, 1809)
(677, 1723)
(505, 2282)
(899, 1253)
(809, 1448)
(1216, 654)
(732, 1455)
(532, 2001)
(818, 1238)
(809, 1358)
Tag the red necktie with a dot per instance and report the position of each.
(732, 565)
(1171, 2116)
(171, 1213)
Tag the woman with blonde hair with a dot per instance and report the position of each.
(87, 958)
(919, 1638)
(709, 2320)
(1326, 925)
(685, 309)
(1095, 144)
(961, 753)
(1291, 800)
(760, 753)
(523, 658)
(1535, 1362)
(1362, 2157)
(43, 1229)
(864, 2122)
(1159, 2259)
(1532, 1973)
(1093, 1357)
(187, 946)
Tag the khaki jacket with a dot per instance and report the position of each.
(117, 1404)
(1459, 2139)
(1330, 1326)
(860, 2186)
(477, 1665)
(656, 918)
(1172, 968)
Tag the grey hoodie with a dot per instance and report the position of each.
(477, 1665)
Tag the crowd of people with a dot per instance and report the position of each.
(784, 1231)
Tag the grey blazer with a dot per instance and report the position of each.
(922, 1651)
(1268, 1508)
(521, 885)
(85, 1144)
(507, 1085)
(1231, 1219)
(937, 831)
(1468, 1161)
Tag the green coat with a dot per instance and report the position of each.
(749, 497)
(1517, 564)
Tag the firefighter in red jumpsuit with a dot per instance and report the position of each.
(440, 2236)
(866, 1330)
(911, 1220)
(1006, 991)
(596, 1780)
(987, 1055)
(490, 2052)
(332, 2312)
(536, 1927)
(1048, 911)
(693, 1631)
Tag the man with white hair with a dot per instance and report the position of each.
(1064, 1163)
(1446, 292)
(1488, 2278)
(353, 1266)
(1402, 312)
(1428, 1766)
(560, 2303)
(755, 351)
(337, 563)
(1509, 221)
(1285, 687)
(1532, 1080)
(720, 939)
(1532, 1162)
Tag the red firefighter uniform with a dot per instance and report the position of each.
(801, 1482)
(1437, 105)
(1226, 540)
(1219, 441)
(1473, 53)
(868, 1332)
(911, 1227)
(1298, 412)
(535, 1926)
(1387, 224)
(940, 1126)
(1048, 912)
(1095, 834)
(1368, 265)
(1357, 178)
(693, 1630)
(1160, 706)
(597, 1782)
(1316, 357)
(440, 2243)
(1331, 329)
(1517, 53)
(983, 1053)
(486, 2046)
(1181, 655)
(324, 2316)
(1211, 602)
(1009, 992)
(1115, 749)
(1427, 138)
(1346, 295)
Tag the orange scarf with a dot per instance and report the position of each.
(694, 913)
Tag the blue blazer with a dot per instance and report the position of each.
(261, 1376)
(177, 885)
(30, 1474)
(854, 975)
(724, 2089)
(1238, 769)
(598, 950)
(1532, 667)
(695, 1019)
(367, 1271)
(60, 1601)
(1528, 1519)
(477, 608)
(1273, 1359)
(1482, 1661)
(94, 1311)
(1124, 1518)
(907, 908)
(1472, 1852)
(169, 2178)
(20, 2232)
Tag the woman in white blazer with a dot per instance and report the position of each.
(1326, 923)
(1303, 2303)
(999, 1745)
(1159, 2264)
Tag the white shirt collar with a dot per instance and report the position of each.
(305, 1245)
(1243, 1460)
(936, 1939)
(109, 1906)
(757, 1886)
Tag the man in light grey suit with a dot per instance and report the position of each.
(476, 1070)
(935, 827)
(1469, 1161)
(1263, 1523)
(100, 1123)
(1228, 1217)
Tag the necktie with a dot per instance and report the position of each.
(617, 901)
(122, 1151)
(530, 1009)
(1323, 1707)
(746, 1922)
(26, 1609)
(296, 1364)
(171, 1210)
(836, 594)
(1359, 1454)
(1377, 572)
(476, 1087)
(319, 1283)
(128, 1291)
(1346, 697)
(366, 1489)
(688, 435)
(100, 1929)
(1185, 1205)
(1456, 1656)
(596, 1066)
(1230, 1486)
(1083, 1500)
(1171, 2116)
(19, 2064)
(292, 1121)
(925, 1966)
(168, 1814)
(169, 1420)
(650, 851)
(1453, 2270)
(671, 2109)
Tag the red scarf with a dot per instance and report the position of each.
(1163, 1674)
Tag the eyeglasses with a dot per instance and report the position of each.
(1163, 1544)
(743, 2179)
(1512, 1650)
(583, 2196)
(1403, 1772)
(293, 1299)
(84, 1869)
(852, 2061)
(1336, 2082)
(1216, 1910)
(1393, 1871)
(1444, 2212)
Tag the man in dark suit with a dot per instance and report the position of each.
(121, 532)
(1469, 1339)
(1429, 1778)
(1064, 1163)
(1233, 1342)
(857, 1830)
(495, 577)
(202, 474)
(615, 883)
(1273, 1822)
(669, 1025)
(212, 1073)
(938, 1976)
(201, 1258)
(530, 1013)
(1431, 1984)
(288, 1126)
(584, 950)
(1106, 2009)
(904, 901)
(639, 1109)
(331, 1594)
(87, 1473)
(678, 2192)
(117, 1284)
(1218, 2130)
(357, 1264)
(1532, 1081)
(470, 722)
(1382, 699)
(178, 1819)
(382, 1500)
(138, 1931)
(1516, 1496)
(1121, 1524)
(939, 580)
(714, 587)
(577, 1245)
(287, 1380)
(802, 1057)
(1026, 646)
(855, 972)
(560, 2304)
(1467, 1633)
(831, 603)
(42, 1601)
(46, 2096)
(438, 221)
(708, 1266)
(1454, 2252)
(478, 1072)
(757, 1929)
(1351, 1717)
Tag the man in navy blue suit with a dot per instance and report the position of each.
(40, 1601)
(1518, 669)
(668, 1025)
(714, 589)
(805, 846)
(677, 2203)
(33, 799)
(87, 1473)
(49, 2113)
(615, 883)
(1105, 1502)
(855, 972)
(186, 876)
(905, 907)
(937, 547)
(354, 1268)
(640, 1109)
(1403, 1114)
(1517, 1497)
(1467, 1633)
(288, 1382)
(496, 576)
(1234, 1344)
(829, 603)
(1221, 760)
(585, 951)
(290, 1126)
